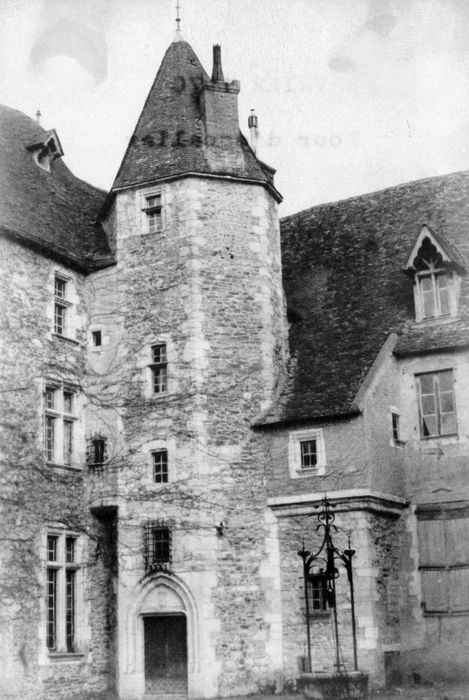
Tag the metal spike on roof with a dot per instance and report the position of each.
(177, 34)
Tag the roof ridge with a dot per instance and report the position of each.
(365, 195)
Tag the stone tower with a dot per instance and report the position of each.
(193, 348)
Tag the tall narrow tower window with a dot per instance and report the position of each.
(159, 368)
(152, 211)
(160, 466)
(60, 305)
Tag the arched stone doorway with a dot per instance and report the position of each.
(163, 660)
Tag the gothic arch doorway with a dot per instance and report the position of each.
(166, 634)
(165, 653)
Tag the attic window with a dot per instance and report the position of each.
(47, 150)
(436, 278)
(434, 293)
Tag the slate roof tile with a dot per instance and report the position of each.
(55, 211)
(343, 276)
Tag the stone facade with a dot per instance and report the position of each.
(35, 495)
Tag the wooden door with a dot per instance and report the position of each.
(165, 654)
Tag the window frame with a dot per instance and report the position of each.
(317, 591)
(434, 274)
(152, 564)
(296, 439)
(62, 304)
(60, 419)
(163, 466)
(159, 369)
(152, 212)
(62, 592)
(97, 451)
(437, 402)
(395, 426)
(309, 456)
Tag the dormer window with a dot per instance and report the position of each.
(436, 271)
(435, 293)
(46, 150)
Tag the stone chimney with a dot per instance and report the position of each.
(220, 105)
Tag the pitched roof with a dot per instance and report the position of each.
(54, 210)
(343, 275)
(169, 140)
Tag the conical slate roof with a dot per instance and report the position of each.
(169, 138)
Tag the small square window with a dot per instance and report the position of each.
(96, 336)
(306, 453)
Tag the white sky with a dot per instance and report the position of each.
(352, 95)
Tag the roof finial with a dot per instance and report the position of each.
(38, 116)
(178, 35)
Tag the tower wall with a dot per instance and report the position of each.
(209, 287)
